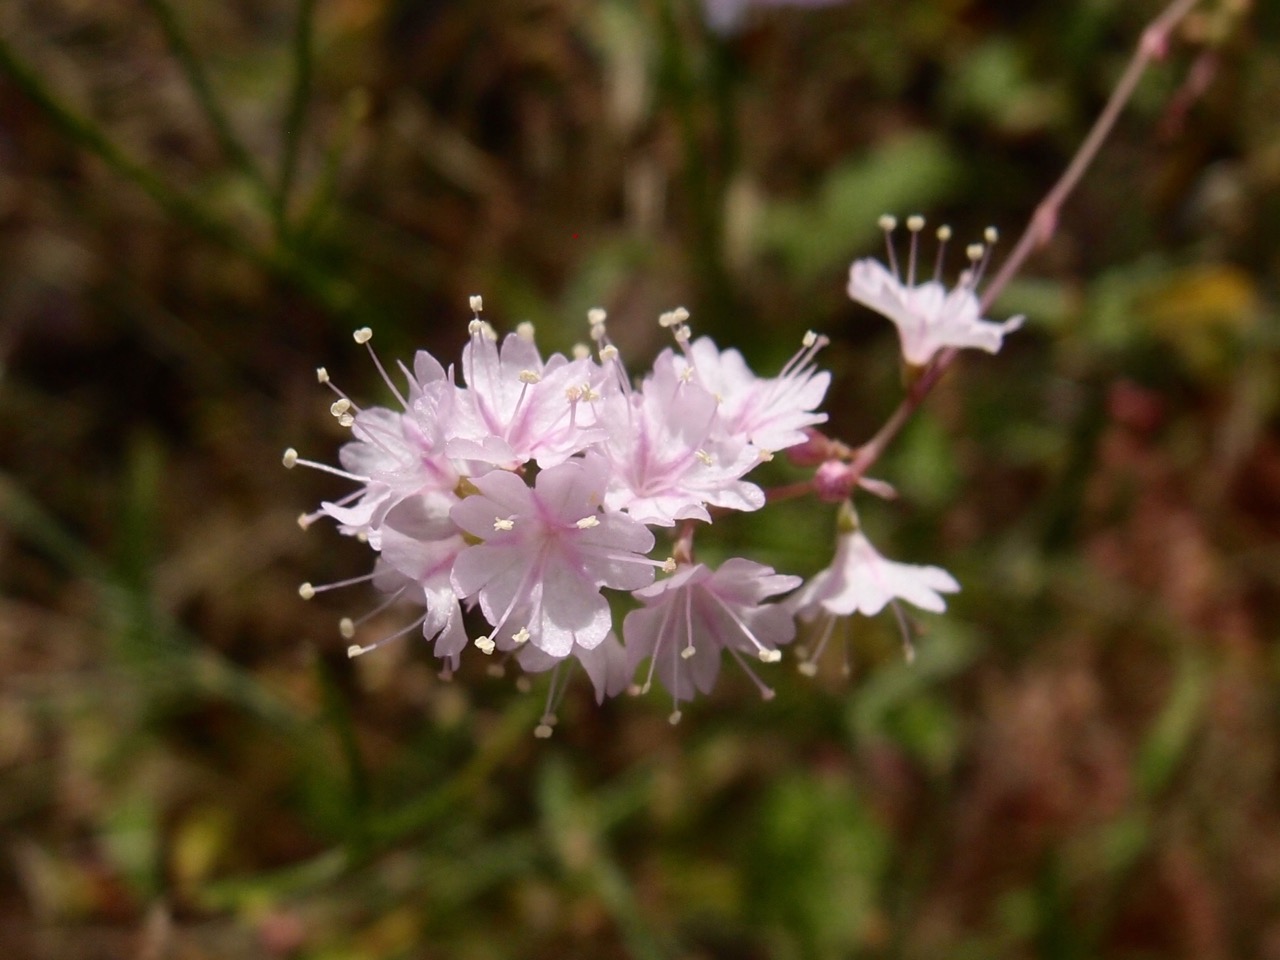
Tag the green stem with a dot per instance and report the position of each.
(198, 80)
(296, 118)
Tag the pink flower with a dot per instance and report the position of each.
(515, 408)
(605, 664)
(859, 580)
(929, 318)
(770, 413)
(690, 618)
(669, 460)
(545, 553)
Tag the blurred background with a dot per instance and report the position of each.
(200, 200)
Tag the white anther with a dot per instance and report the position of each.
(667, 319)
(669, 565)
(770, 656)
(304, 520)
(687, 652)
(681, 333)
(499, 524)
(306, 591)
(809, 339)
(542, 731)
(598, 333)
(808, 668)
(586, 523)
(674, 718)
(347, 628)
(581, 351)
(573, 394)
(596, 316)
(322, 375)
(339, 407)
(888, 223)
(974, 251)
(764, 456)
(915, 223)
(687, 374)
(363, 335)
(524, 330)
(521, 635)
(991, 235)
(608, 352)
(475, 326)
(681, 314)
(530, 376)
(485, 645)
(703, 457)
(477, 303)
(290, 458)
(944, 233)
(589, 394)
(355, 650)
(346, 420)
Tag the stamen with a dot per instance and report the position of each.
(915, 224)
(888, 224)
(477, 304)
(766, 692)
(525, 331)
(529, 377)
(363, 335)
(347, 627)
(291, 459)
(908, 648)
(485, 645)
(586, 523)
(521, 635)
(943, 235)
(308, 590)
(322, 375)
(355, 650)
(501, 525)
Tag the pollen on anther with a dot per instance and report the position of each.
(485, 645)
(674, 718)
(346, 420)
(529, 376)
(808, 668)
(688, 652)
(586, 523)
(347, 628)
(542, 731)
(974, 252)
(608, 352)
(304, 520)
(991, 235)
(669, 565)
(521, 636)
(355, 650)
(770, 656)
(596, 316)
(339, 407)
(363, 335)
(915, 223)
(524, 330)
(943, 234)
(477, 303)
(500, 524)
(809, 339)
(290, 458)
(703, 457)
(322, 375)
(581, 351)
(306, 591)
(888, 223)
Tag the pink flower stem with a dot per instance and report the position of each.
(1153, 45)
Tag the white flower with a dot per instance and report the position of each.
(859, 580)
(929, 317)
(545, 553)
(696, 614)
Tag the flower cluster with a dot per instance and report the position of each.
(530, 492)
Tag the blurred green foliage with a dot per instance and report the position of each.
(199, 200)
